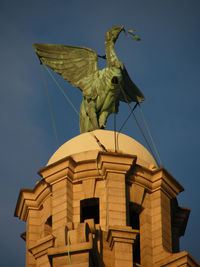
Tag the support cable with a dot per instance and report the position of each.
(124, 94)
(62, 91)
(68, 250)
(120, 129)
(50, 106)
(149, 133)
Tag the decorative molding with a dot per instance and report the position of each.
(178, 259)
(122, 234)
(158, 179)
(42, 246)
(31, 199)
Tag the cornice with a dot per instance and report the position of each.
(158, 179)
(42, 245)
(99, 166)
(122, 234)
(67, 168)
(182, 258)
(95, 168)
(31, 199)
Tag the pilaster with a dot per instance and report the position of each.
(121, 240)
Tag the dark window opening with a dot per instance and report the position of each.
(136, 250)
(48, 226)
(89, 208)
(134, 219)
(134, 222)
(49, 221)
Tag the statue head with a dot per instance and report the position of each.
(113, 33)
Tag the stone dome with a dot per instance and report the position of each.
(103, 140)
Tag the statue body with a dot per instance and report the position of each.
(94, 112)
(101, 89)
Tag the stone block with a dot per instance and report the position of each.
(89, 187)
(58, 201)
(76, 218)
(57, 224)
(118, 207)
(59, 208)
(136, 194)
(116, 192)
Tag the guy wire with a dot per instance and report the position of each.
(124, 94)
(62, 91)
(127, 118)
(68, 249)
(50, 106)
(149, 133)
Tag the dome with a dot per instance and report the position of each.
(101, 140)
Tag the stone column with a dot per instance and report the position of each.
(33, 230)
(59, 178)
(61, 209)
(114, 168)
(121, 240)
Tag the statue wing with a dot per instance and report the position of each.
(132, 92)
(77, 65)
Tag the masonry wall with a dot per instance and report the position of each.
(56, 236)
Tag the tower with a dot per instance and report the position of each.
(103, 201)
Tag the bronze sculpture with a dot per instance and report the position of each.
(101, 89)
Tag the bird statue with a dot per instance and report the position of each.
(102, 90)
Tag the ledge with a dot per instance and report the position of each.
(42, 246)
(31, 199)
(158, 179)
(121, 234)
(75, 248)
(179, 259)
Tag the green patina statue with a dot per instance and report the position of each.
(101, 89)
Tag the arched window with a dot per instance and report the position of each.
(48, 226)
(89, 209)
(134, 222)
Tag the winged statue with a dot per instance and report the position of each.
(102, 90)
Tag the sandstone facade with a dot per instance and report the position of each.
(103, 207)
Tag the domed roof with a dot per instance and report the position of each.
(104, 140)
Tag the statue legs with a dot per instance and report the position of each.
(102, 119)
(88, 116)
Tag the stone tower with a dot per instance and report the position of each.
(102, 201)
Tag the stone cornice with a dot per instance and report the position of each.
(115, 162)
(158, 179)
(63, 167)
(72, 248)
(121, 234)
(42, 245)
(94, 168)
(67, 168)
(178, 259)
(97, 167)
(180, 219)
(31, 199)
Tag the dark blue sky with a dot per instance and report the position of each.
(165, 65)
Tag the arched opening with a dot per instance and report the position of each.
(134, 222)
(89, 209)
(48, 226)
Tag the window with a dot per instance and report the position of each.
(134, 222)
(48, 226)
(89, 208)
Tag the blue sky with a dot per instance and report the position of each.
(165, 65)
